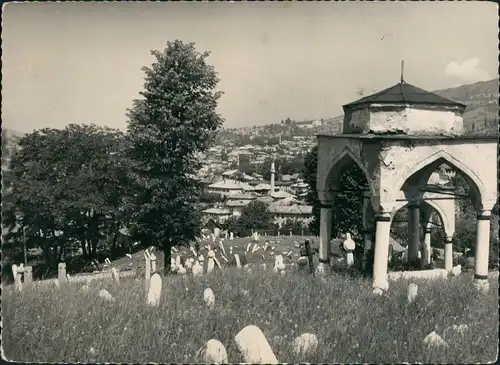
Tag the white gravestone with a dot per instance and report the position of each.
(211, 262)
(197, 269)
(279, 264)
(254, 346)
(154, 293)
(433, 339)
(237, 259)
(412, 292)
(213, 352)
(305, 344)
(302, 261)
(209, 298)
(104, 294)
(116, 276)
(61, 273)
(349, 246)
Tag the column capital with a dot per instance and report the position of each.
(326, 204)
(448, 239)
(484, 215)
(383, 217)
(413, 205)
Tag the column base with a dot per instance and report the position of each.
(323, 268)
(482, 285)
(382, 285)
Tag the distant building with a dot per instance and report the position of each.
(227, 187)
(218, 215)
(281, 213)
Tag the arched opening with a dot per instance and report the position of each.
(415, 183)
(348, 184)
(468, 191)
(431, 233)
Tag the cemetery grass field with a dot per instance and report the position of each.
(46, 324)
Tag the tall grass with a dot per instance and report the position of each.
(352, 325)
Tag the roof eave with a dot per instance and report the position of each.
(355, 106)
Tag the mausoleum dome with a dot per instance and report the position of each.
(404, 109)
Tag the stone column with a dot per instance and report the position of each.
(448, 253)
(413, 232)
(382, 233)
(482, 249)
(425, 258)
(325, 236)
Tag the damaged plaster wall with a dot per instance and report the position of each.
(413, 121)
(401, 161)
(404, 119)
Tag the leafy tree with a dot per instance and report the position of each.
(294, 226)
(69, 185)
(254, 216)
(174, 121)
(210, 198)
(231, 224)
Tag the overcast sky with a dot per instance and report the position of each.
(81, 62)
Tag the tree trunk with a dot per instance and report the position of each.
(167, 254)
(114, 232)
(84, 249)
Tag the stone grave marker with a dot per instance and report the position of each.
(211, 262)
(28, 275)
(17, 272)
(116, 275)
(209, 298)
(197, 269)
(349, 246)
(254, 346)
(154, 293)
(412, 292)
(104, 294)
(305, 344)
(237, 259)
(213, 352)
(61, 273)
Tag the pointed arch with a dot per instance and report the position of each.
(335, 166)
(448, 226)
(470, 176)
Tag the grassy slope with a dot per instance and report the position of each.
(50, 325)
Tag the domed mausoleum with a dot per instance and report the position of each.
(399, 137)
(404, 109)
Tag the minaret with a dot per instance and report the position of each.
(272, 176)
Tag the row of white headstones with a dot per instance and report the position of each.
(230, 235)
(196, 264)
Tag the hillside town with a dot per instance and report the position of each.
(224, 175)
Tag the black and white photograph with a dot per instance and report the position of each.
(224, 182)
